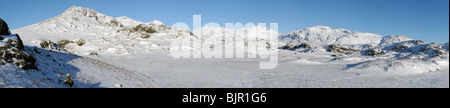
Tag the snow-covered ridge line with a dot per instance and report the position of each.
(106, 35)
(324, 35)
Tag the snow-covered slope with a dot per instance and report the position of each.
(244, 37)
(57, 42)
(387, 40)
(100, 34)
(53, 66)
(128, 22)
(46, 66)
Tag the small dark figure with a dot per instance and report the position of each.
(68, 80)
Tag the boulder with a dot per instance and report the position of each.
(48, 44)
(69, 80)
(63, 43)
(15, 40)
(11, 54)
(11, 49)
(374, 52)
(295, 47)
(399, 48)
(4, 30)
(336, 48)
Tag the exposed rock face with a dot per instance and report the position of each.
(86, 14)
(416, 49)
(13, 40)
(63, 43)
(374, 52)
(4, 30)
(336, 48)
(11, 49)
(400, 48)
(47, 44)
(144, 30)
(11, 52)
(294, 47)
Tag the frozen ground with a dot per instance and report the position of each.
(158, 69)
(294, 70)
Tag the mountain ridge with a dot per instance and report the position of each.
(77, 23)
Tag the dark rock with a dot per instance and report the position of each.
(63, 43)
(47, 44)
(305, 45)
(374, 52)
(13, 55)
(13, 40)
(399, 48)
(80, 42)
(143, 28)
(295, 47)
(417, 42)
(93, 54)
(336, 48)
(11, 49)
(4, 29)
(68, 80)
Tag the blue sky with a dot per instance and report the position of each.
(426, 20)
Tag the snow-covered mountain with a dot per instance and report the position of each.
(323, 35)
(345, 41)
(85, 31)
(101, 51)
(392, 53)
(53, 47)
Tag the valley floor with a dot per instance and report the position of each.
(302, 70)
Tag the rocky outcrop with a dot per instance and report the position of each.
(11, 49)
(144, 30)
(63, 43)
(4, 30)
(49, 45)
(13, 40)
(295, 47)
(336, 48)
(374, 52)
(416, 49)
